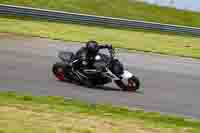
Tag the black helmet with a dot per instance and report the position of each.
(92, 46)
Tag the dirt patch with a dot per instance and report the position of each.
(5, 35)
(68, 122)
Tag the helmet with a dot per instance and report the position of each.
(92, 46)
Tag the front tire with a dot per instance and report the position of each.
(132, 85)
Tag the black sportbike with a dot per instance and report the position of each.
(107, 68)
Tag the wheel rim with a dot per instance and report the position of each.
(60, 74)
(131, 85)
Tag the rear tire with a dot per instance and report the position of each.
(132, 86)
(59, 71)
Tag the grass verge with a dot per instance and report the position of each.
(131, 39)
(131, 9)
(48, 114)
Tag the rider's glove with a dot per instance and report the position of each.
(109, 46)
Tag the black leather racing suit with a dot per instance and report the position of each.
(84, 55)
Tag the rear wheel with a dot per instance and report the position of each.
(132, 84)
(59, 71)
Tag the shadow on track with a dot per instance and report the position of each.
(104, 88)
(107, 88)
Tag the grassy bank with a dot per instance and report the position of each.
(117, 8)
(135, 40)
(30, 114)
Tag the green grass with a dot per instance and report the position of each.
(48, 114)
(117, 8)
(134, 40)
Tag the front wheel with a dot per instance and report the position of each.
(132, 84)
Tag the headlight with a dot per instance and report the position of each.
(98, 57)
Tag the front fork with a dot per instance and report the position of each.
(126, 75)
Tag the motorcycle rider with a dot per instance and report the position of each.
(85, 56)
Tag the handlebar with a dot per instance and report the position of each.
(110, 49)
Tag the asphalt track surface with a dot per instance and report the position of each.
(169, 84)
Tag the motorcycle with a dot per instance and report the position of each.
(107, 69)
